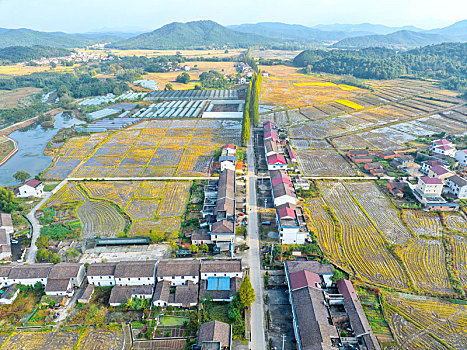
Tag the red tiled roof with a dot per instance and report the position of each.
(286, 212)
(33, 183)
(302, 279)
(291, 152)
(283, 179)
(270, 134)
(442, 142)
(439, 170)
(276, 158)
(229, 146)
(444, 147)
(431, 180)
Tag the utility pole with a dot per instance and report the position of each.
(283, 341)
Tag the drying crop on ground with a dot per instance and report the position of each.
(423, 223)
(425, 263)
(456, 222)
(426, 323)
(323, 163)
(379, 210)
(364, 247)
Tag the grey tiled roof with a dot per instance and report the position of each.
(214, 331)
(178, 268)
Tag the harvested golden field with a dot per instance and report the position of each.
(13, 98)
(426, 323)
(149, 149)
(21, 69)
(111, 208)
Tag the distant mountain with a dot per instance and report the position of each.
(28, 37)
(288, 32)
(458, 30)
(367, 28)
(402, 39)
(192, 35)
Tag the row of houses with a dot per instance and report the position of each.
(289, 216)
(220, 204)
(178, 283)
(6, 230)
(321, 311)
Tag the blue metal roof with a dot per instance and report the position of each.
(218, 283)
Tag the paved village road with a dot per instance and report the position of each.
(257, 314)
(35, 226)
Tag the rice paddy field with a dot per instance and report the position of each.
(153, 148)
(358, 228)
(426, 323)
(112, 208)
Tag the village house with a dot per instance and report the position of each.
(29, 275)
(5, 245)
(325, 271)
(214, 335)
(223, 234)
(185, 296)
(461, 157)
(59, 287)
(6, 223)
(228, 157)
(220, 279)
(445, 150)
(440, 172)
(429, 187)
(441, 142)
(283, 192)
(457, 186)
(277, 162)
(86, 295)
(63, 277)
(270, 147)
(271, 134)
(291, 153)
(374, 168)
(387, 155)
(291, 224)
(101, 274)
(135, 273)
(396, 188)
(178, 272)
(402, 162)
(200, 237)
(428, 164)
(161, 293)
(31, 188)
(360, 156)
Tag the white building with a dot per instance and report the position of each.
(59, 287)
(178, 272)
(4, 273)
(31, 188)
(428, 164)
(440, 172)
(121, 294)
(9, 294)
(5, 245)
(461, 157)
(74, 272)
(223, 234)
(221, 268)
(6, 223)
(440, 142)
(135, 273)
(445, 150)
(101, 274)
(429, 186)
(29, 275)
(457, 186)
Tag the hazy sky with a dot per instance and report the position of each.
(93, 15)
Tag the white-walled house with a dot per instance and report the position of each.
(221, 268)
(135, 273)
(59, 287)
(429, 186)
(101, 274)
(4, 273)
(161, 293)
(457, 186)
(461, 157)
(75, 272)
(445, 150)
(283, 193)
(29, 275)
(440, 172)
(121, 294)
(178, 272)
(5, 245)
(31, 188)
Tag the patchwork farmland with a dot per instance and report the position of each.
(149, 149)
(108, 209)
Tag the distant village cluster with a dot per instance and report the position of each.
(75, 57)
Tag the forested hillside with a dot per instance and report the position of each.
(16, 54)
(447, 62)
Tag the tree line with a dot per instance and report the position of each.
(251, 108)
(15, 54)
(446, 62)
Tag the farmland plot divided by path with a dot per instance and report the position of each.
(423, 223)
(364, 247)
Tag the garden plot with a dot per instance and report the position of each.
(302, 144)
(96, 339)
(426, 323)
(456, 221)
(313, 113)
(53, 340)
(319, 144)
(425, 263)
(459, 252)
(324, 228)
(393, 134)
(423, 223)
(304, 131)
(175, 199)
(363, 246)
(294, 117)
(323, 163)
(417, 128)
(379, 210)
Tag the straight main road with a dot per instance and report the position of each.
(257, 314)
